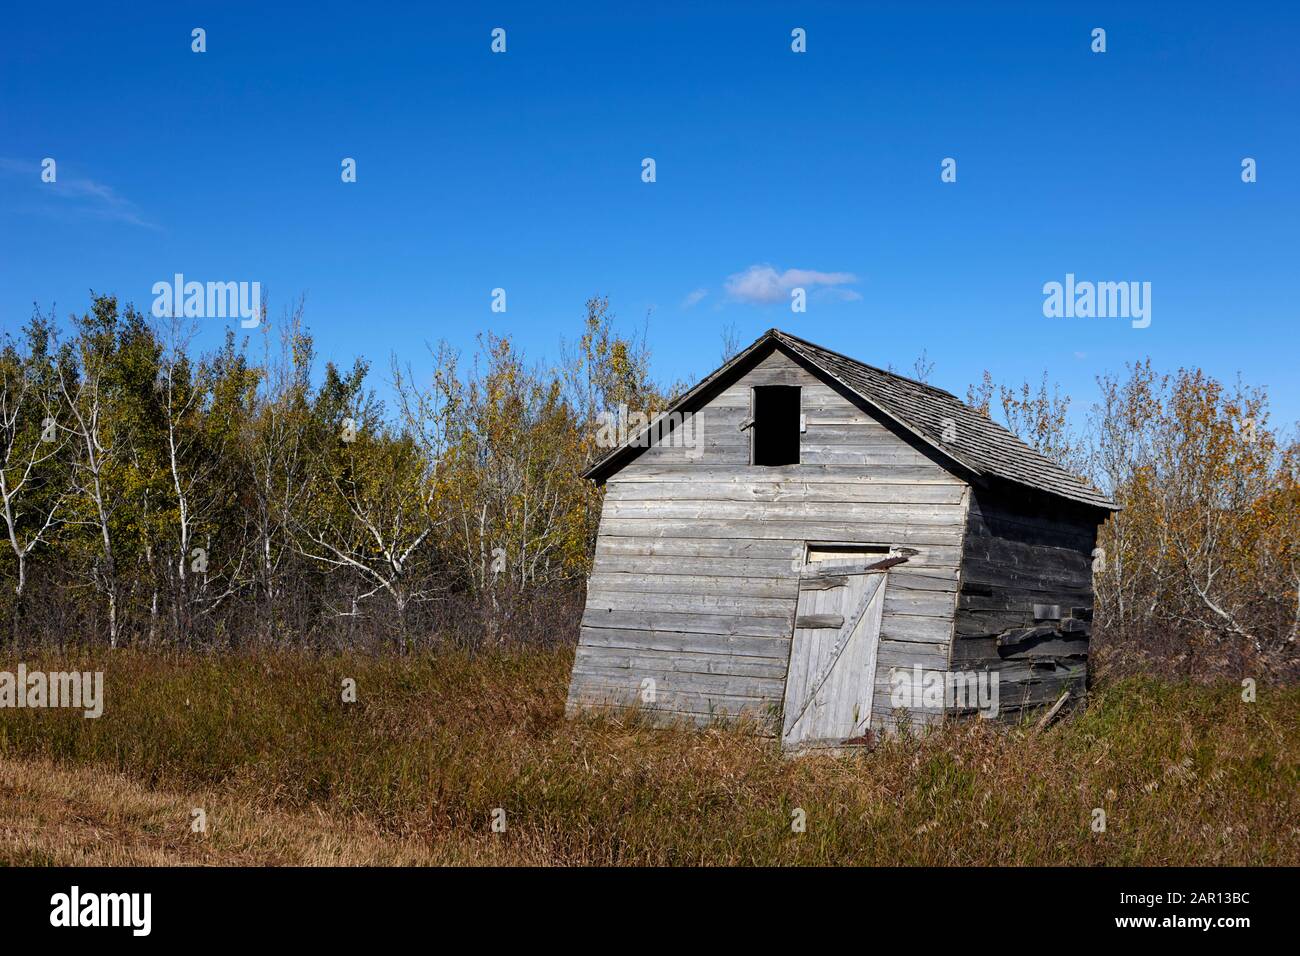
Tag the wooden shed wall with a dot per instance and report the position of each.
(697, 560)
(1021, 551)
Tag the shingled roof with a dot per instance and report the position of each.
(981, 447)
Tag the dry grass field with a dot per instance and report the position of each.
(412, 772)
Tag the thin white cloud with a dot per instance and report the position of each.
(694, 298)
(76, 194)
(762, 284)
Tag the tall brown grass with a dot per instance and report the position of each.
(435, 743)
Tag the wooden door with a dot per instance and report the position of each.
(828, 687)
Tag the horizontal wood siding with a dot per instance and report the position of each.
(698, 556)
(1023, 553)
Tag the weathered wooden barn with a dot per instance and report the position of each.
(814, 542)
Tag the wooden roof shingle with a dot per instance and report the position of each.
(979, 445)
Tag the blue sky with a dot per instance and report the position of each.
(523, 171)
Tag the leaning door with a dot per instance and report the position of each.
(829, 683)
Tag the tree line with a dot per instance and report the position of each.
(152, 495)
(155, 496)
(1200, 572)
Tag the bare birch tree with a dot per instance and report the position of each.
(32, 493)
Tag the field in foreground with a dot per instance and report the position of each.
(413, 772)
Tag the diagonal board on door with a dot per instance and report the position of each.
(829, 683)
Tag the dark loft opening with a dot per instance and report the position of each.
(776, 425)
